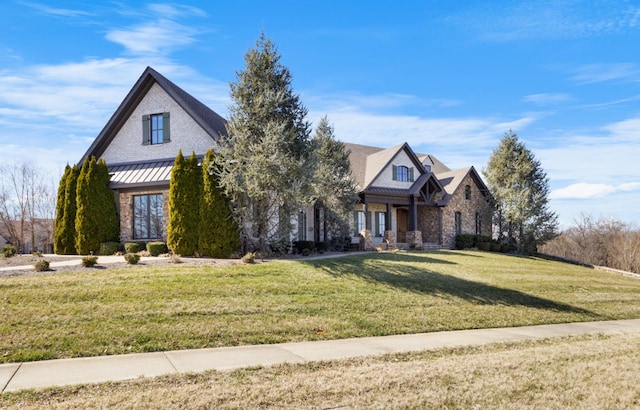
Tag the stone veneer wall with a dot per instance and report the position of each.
(468, 209)
(429, 224)
(125, 208)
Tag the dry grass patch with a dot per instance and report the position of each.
(586, 372)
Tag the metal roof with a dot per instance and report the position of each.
(139, 174)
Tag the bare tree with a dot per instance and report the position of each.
(27, 205)
(603, 242)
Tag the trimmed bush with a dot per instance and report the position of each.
(41, 266)
(134, 247)
(465, 241)
(496, 247)
(484, 246)
(8, 251)
(89, 261)
(132, 258)
(110, 248)
(156, 248)
(299, 246)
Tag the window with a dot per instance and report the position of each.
(302, 226)
(402, 173)
(458, 222)
(467, 192)
(147, 216)
(478, 224)
(381, 221)
(360, 222)
(155, 129)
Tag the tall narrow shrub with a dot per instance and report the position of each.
(184, 205)
(65, 232)
(219, 236)
(96, 217)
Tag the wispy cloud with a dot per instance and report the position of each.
(547, 98)
(547, 19)
(597, 73)
(585, 190)
(55, 11)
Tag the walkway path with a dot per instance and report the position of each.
(49, 373)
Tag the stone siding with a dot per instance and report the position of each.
(429, 223)
(468, 209)
(125, 208)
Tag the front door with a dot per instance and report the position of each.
(402, 216)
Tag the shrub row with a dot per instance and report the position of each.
(483, 243)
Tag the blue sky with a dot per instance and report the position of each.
(450, 78)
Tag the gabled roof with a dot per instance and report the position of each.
(212, 123)
(451, 181)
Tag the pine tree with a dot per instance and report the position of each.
(520, 190)
(332, 183)
(219, 235)
(65, 232)
(96, 216)
(184, 205)
(265, 162)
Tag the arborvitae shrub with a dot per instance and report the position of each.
(156, 248)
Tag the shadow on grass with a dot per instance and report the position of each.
(405, 271)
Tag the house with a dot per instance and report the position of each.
(410, 198)
(405, 197)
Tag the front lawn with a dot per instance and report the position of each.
(99, 312)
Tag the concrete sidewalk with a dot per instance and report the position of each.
(50, 373)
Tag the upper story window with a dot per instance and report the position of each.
(402, 173)
(467, 192)
(155, 129)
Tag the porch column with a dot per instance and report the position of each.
(414, 236)
(389, 234)
(366, 233)
(413, 214)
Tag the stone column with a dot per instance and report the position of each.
(415, 238)
(390, 239)
(366, 242)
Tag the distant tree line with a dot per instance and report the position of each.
(26, 207)
(601, 242)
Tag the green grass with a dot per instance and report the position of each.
(180, 307)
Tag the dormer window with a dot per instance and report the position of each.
(155, 129)
(402, 173)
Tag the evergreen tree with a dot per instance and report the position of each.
(184, 205)
(107, 210)
(219, 235)
(65, 231)
(265, 161)
(96, 215)
(57, 229)
(520, 190)
(332, 183)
